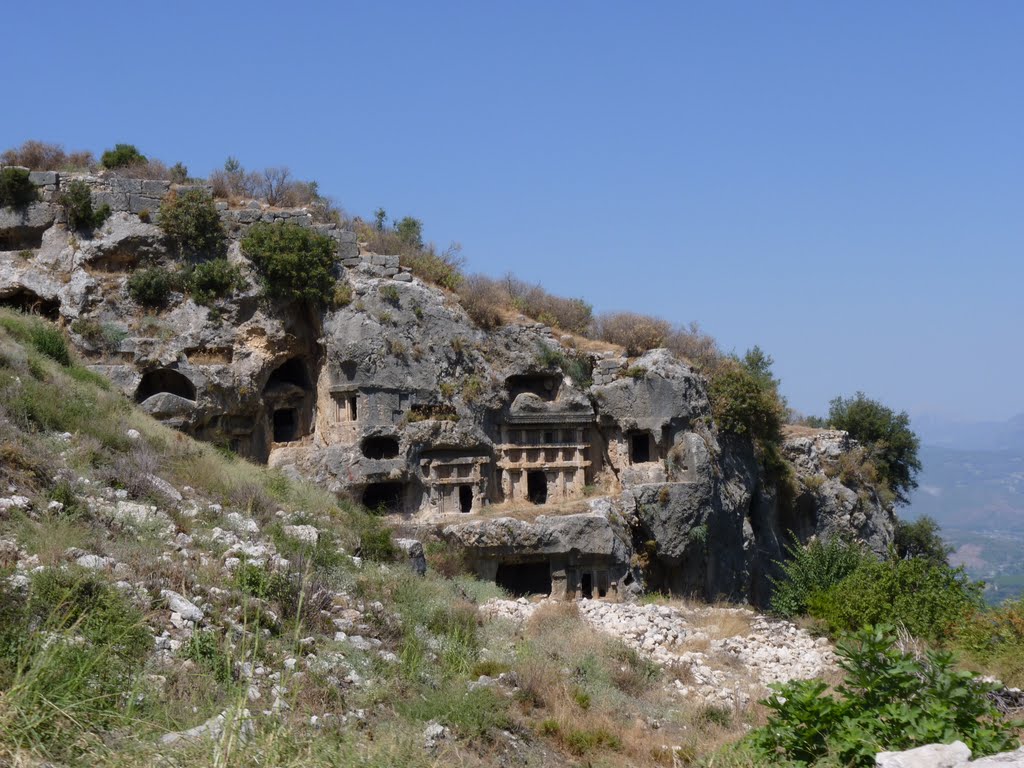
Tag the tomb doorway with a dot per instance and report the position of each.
(537, 487)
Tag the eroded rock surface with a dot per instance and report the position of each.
(607, 473)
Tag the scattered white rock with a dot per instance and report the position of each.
(182, 606)
(307, 534)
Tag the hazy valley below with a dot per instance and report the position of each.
(972, 483)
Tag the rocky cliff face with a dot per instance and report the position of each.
(557, 470)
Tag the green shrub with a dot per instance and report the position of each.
(49, 340)
(888, 701)
(192, 224)
(78, 208)
(122, 156)
(214, 279)
(208, 652)
(744, 403)
(15, 188)
(994, 639)
(256, 581)
(295, 263)
(109, 335)
(576, 365)
(342, 295)
(811, 569)
(581, 741)
(375, 541)
(152, 286)
(179, 173)
(931, 600)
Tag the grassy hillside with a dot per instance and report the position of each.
(151, 585)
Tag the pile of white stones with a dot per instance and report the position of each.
(722, 670)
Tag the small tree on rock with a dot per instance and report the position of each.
(886, 434)
(294, 262)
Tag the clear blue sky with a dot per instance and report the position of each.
(841, 183)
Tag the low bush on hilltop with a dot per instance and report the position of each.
(404, 238)
(888, 701)
(276, 186)
(635, 332)
(43, 156)
(886, 437)
(192, 225)
(122, 156)
(294, 263)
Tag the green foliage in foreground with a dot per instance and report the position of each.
(889, 701)
(929, 599)
(69, 650)
(295, 263)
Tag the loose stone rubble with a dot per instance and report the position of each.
(722, 671)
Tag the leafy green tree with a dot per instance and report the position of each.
(380, 217)
(122, 156)
(410, 231)
(214, 279)
(745, 398)
(294, 262)
(152, 287)
(886, 434)
(192, 224)
(759, 364)
(920, 539)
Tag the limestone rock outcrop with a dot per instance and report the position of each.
(599, 478)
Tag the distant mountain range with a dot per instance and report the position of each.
(940, 432)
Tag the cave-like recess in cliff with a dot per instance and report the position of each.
(165, 380)
(383, 497)
(380, 447)
(523, 579)
(32, 303)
